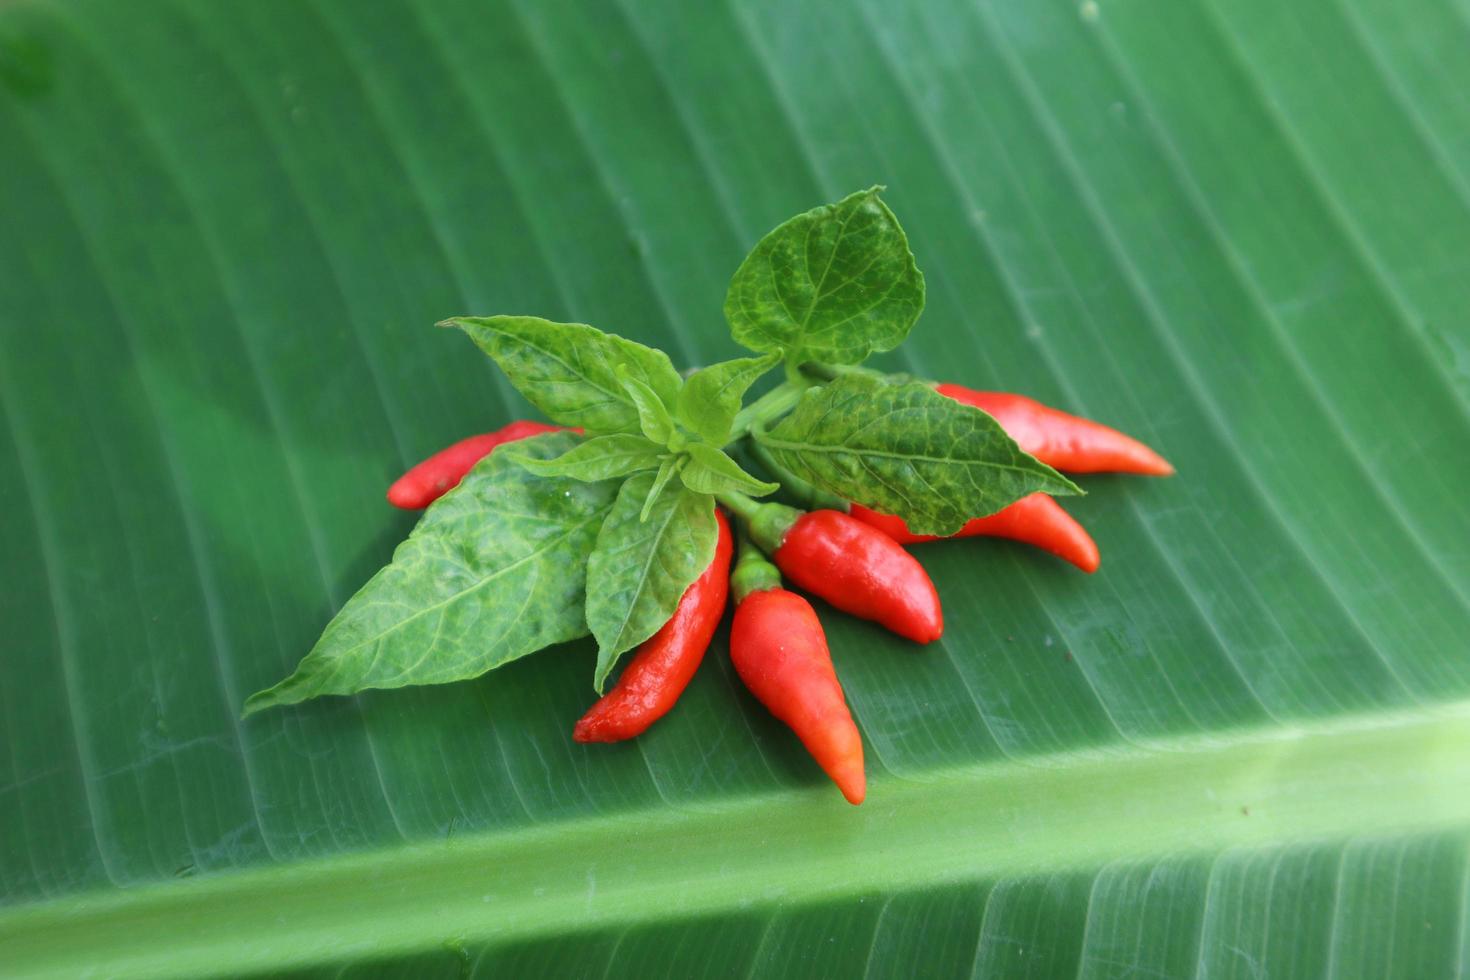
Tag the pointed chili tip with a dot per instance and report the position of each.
(853, 782)
(597, 726)
(1111, 451)
(1076, 545)
(1151, 463)
(1088, 561)
(929, 633)
(922, 626)
(929, 625)
(1120, 453)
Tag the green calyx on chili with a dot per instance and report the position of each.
(855, 567)
(665, 663)
(779, 649)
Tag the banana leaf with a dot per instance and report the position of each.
(1239, 231)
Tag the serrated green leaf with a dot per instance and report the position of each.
(598, 458)
(653, 415)
(495, 570)
(834, 284)
(640, 568)
(905, 449)
(711, 396)
(570, 371)
(711, 471)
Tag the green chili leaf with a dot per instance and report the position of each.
(905, 449)
(711, 471)
(495, 569)
(570, 370)
(711, 397)
(834, 284)
(598, 458)
(640, 569)
(666, 471)
(653, 415)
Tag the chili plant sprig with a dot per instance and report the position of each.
(610, 527)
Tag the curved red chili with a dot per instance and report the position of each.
(1067, 442)
(431, 479)
(856, 568)
(666, 662)
(1036, 519)
(780, 652)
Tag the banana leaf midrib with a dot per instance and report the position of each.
(1361, 776)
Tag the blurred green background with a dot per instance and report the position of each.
(1239, 231)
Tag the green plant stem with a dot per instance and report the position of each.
(807, 495)
(752, 572)
(821, 373)
(768, 407)
(767, 523)
(737, 503)
(831, 372)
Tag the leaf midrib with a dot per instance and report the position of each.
(617, 639)
(482, 583)
(793, 445)
(1359, 776)
(252, 705)
(581, 374)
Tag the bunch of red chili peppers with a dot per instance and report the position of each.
(850, 557)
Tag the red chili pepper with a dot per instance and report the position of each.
(780, 652)
(856, 568)
(1036, 519)
(440, 473)
(666, 662)
(1067, 442)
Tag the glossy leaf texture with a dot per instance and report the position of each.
(1234, 230)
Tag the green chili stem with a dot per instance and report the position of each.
(753, 572)
(809, 496)
(768, 407)
(793, 373)
(826, 372)
(766, 523)
(831, 372)
(739, 504)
